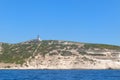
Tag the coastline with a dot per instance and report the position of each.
(58, 69)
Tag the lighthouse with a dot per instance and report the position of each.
(38, 38)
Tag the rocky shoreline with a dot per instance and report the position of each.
(60, 62)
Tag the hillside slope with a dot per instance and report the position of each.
(51, 54)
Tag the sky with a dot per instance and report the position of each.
(91, 21)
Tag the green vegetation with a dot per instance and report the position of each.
(18, 53)
(47, 46)
(66, 53)
(97, 54)
(101, 46)
(87, 59)
(82, 52)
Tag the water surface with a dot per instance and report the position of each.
(59, 74)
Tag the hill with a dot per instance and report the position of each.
(53, 54)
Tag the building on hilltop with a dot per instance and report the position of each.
(38, 38)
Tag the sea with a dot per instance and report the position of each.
(59, 74)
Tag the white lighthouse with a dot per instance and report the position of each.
(38, 38)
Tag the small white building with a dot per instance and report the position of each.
(0, 48)
(38, 38)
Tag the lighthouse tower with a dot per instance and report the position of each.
(38, 38)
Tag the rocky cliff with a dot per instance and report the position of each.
(51, 54)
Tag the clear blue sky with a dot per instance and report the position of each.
(93, 21)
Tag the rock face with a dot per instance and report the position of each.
(50, 54)
(70, 62)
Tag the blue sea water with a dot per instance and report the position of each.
(59, 74)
